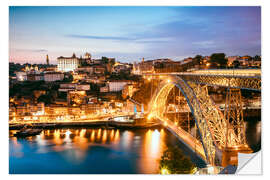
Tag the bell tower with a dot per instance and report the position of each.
(47, 59)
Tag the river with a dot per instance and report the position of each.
(92, 151)
(101, 151)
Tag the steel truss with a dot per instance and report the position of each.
(234, 117)
(158, 108)
(240, 82)
(216, 131)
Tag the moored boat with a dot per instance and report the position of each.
(28, 132)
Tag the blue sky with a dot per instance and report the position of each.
(130, 33)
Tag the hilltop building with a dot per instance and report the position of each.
(66, 64)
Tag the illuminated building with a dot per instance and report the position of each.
(21, 76)
(65, 87)
(120, 67)
(231, 59)
(66, 64)
(117, 85)
(104, 89)
(79, 76)
(86, 60)
(76, 97)
(128, 90)
(53, 76)
(83, 87)
(85, 69)
(99, 69)
(35, 77)
(143, 67)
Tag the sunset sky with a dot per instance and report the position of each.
(130, 33)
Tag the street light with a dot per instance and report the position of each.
(164, 171)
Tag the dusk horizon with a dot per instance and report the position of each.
(131, 33)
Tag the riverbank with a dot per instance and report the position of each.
(100, 124)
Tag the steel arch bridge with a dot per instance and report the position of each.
(214, 131)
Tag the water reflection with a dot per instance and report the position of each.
(153, 147)
(253, 134)
(93, 150)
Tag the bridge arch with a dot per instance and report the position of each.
(209, 120)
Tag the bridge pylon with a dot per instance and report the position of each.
(234, 119)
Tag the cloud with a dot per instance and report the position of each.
(136, 39)
(204, 43)
(32, 50)
(99, 37)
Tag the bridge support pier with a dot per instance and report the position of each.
(234, 118)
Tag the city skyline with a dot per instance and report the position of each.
(130, 33)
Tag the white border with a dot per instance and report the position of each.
(4, 73)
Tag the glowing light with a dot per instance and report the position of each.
(168, 81)
(149, 117)
(104, 137)
(117, 136)
(112, 135)
(93, 135)
(68, 133)
(82, 133)
(57, 140)
(164, 171)
(155, 141)
(165, 124)
(99, 134)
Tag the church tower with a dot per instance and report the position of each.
(47, 59)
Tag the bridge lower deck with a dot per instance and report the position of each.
(190, 141)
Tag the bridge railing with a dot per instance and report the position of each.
(217, 72)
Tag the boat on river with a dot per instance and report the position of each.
(27, 132)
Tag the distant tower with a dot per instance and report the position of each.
(27, 68)
(142, 59)
(36, 68)
(47, 59)
(87, 55)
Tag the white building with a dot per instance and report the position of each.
(53, 76)
(117, 85)
(67, 87)
(21, 76)
(66, 64)
(83, 87)
(73, 86)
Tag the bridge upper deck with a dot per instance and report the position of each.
(240, 78)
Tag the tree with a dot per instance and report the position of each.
(104, 60)
(197, 59)
(47, 99)
(68, 78)
(257, 58)
(112, 61)
(173, 161)
(236, 64)
(219, 59)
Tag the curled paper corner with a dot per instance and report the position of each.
(249, 164)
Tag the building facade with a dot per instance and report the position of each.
(21, 76)
(117, 85)
(65, 64)
(53, 76)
